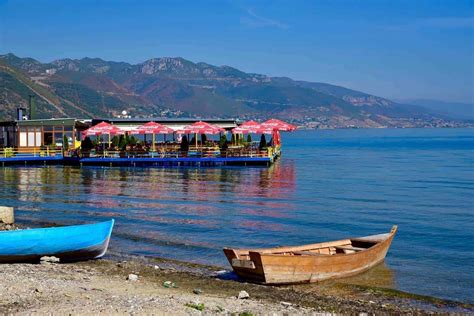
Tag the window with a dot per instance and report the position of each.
(23, 140)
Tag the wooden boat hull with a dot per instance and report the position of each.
(305, 264)
(68, 243)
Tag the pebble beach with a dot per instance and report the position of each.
(146, 286)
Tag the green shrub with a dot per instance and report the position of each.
(65, 143)
(198, 306)
(8, 152)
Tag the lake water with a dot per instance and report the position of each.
(328, 185)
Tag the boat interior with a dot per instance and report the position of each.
(345, 246)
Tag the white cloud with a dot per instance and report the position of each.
(254, 20)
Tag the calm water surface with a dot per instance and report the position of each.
(328, 185)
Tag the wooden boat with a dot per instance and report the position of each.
(310, 263)
(68, 243)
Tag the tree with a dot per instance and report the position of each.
(115, 141)
(184, 144)
(263, 142)
(122, 142)
(87, 144)
(223, 142)
(132, 140)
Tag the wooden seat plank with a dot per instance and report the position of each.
(350, 248)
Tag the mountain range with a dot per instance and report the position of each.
(176, 87)
(455, 110)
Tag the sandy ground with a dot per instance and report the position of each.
(102, 287)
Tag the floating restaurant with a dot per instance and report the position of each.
(145, 142)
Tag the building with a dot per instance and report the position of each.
(31, 134)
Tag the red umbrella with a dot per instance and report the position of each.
(265, 130)
(201, 128)
(247, 127)
(102, 128)
(270, 130)
(278, 125)
(152, 128)
(250, 124)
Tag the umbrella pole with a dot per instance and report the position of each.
(153, 140)
(103, 145)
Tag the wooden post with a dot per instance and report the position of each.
(7, 215)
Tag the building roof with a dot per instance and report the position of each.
(171, 122)
(46, 122)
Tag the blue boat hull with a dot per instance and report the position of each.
(68, 243)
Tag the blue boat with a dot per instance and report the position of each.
(68, 243)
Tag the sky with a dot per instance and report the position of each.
(399, 49)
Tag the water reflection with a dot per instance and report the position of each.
(379, 276)
(153, 206)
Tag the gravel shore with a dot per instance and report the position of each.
(156, 286)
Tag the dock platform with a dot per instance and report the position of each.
(135, 161)
(31, 160)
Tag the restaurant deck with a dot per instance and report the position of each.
(125, 143)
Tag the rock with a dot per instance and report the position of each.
(51, 259)
(38, 290)
(169, 284)
(7, 215)
(243, 295)
(220, 272)
(156, 267)
(286, 304)
(197, 291)
(132, 277)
